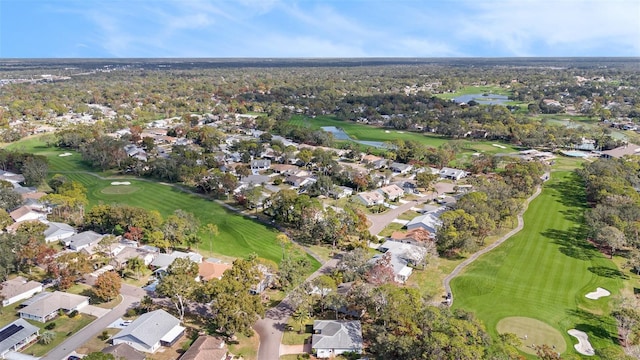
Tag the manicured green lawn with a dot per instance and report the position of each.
(545, 271)
(239, 236)
(372, 133)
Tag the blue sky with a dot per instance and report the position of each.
(318, 28)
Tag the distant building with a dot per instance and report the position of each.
(625, 150)
(370, 198)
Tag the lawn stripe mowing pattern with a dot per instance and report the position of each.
(545, 270)
(238, 236)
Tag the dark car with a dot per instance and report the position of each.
(72, 357)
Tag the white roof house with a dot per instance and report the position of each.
(403, 255)
(453, 174)
(331, 338)
(25, 213)
(45, 306)
(58, 231)
(16, 336)
(150, 331)
(400, 167)
(370, 198)
(18, 289)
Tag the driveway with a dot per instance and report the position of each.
(94, 311)
(65, 349)
(379, 222)
(271, 327)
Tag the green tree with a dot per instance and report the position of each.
(612, 237)
(235, 309)
(47, 337)
(426, 179)
(179, 284)
(179, 226)
(301, 316)
(136, 266)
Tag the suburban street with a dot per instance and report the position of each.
(379, 222)
(130, 294)
(271, 328)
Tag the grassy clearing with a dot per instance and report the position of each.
(293, 336)
(245, 347)
(371, 133)
(545, 270)
(541, 333)
(491, 89)
(65, 327)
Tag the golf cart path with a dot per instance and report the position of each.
(447, 280)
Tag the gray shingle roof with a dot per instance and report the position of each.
(149, 328)
(337, 335)
(22, 331)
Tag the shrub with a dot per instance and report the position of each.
(104, 336)
(131, 312)
(73, 314)
(50, 326)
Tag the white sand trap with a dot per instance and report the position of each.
(65, 154)
(120, 183)
(595, 295)
(583, 346)
(499, 146)
(387, 131)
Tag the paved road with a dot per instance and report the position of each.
(472, 258)
(271, 328)
(131, 295)
(379, 222)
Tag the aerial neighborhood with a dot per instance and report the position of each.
(227, 214)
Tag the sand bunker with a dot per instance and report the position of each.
(65, 154)
(595, 295)
(120, 183)
(583, 346)
(499, 146)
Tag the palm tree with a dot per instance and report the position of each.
(301, 316)
(135, 265)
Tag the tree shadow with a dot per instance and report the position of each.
(594, 325)
(570, 192)
(608, 272)
(571, 242)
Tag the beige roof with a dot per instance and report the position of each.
(392, 190)
(17, 286)
(629, 149)
(208, 270)
(20, 212)
(206, 348)
(35, 195)
(48, 304)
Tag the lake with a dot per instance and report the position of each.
(483, 99)
(339, 134)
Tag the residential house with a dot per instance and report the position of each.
(370, 198)
(124, 351)
(416, 236)
(256, 180)
(331, 338)
(403, 257)
(122, 254)
(429, 221)
(26, 213)
(368, 159)
(82, 240)
(16, 336)
(14, 179)
(300, 181)
(285, 169)
(266, 279)
(150, 331)
(18, 289)
(209, 270)
(339, 192)
(392, 192)
(206, 348)
(162, 261)
(45, 306)
(260, 165)
(452, 174)
(627, 149)
(400, 168)
(57, 231)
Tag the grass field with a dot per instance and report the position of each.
(371, 133)
(545, 270)
(239, 236)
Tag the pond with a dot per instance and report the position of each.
(339, 134)
(483, 99)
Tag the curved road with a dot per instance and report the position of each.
(272, 326)
(472, 258)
